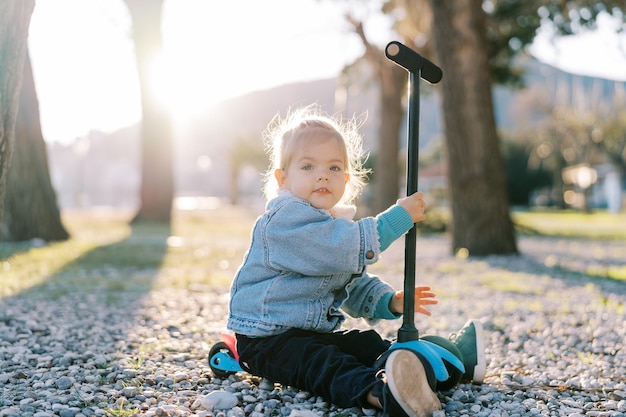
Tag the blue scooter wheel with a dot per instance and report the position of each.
(455, 374)
(214, 362)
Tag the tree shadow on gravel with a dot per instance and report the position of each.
(127, 265)
(79, 317)
(574, 261)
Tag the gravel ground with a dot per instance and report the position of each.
(554, 341)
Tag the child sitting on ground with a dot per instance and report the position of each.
(307, 265)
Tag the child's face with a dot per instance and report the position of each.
(317, 173)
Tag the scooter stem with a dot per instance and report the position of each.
(418, 67)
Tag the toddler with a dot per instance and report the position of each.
(307, 266)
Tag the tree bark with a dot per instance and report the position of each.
(14, 22)
(393, 85)
(481, 221)
(157, 175)
(31, 209)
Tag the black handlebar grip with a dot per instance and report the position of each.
(413, 62)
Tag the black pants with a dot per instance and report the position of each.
(337, 366)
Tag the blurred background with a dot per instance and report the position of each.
(228, 67)
(222, 70)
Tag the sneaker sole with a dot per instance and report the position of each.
(481, 362)
(406, 379)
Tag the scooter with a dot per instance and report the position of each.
(443, 355)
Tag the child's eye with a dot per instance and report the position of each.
(307, 167)
(335, 168)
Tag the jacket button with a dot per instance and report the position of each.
(367, 309)
(369, 254)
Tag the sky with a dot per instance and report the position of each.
(85, 74)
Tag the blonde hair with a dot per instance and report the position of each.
(284, 136)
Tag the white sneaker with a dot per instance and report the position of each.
(408, 383)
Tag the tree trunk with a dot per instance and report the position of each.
(31, 208)
(481, 221)
(393, 80)
(393, 84)
(157, 175)
(14, 21)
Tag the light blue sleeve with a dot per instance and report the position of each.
(382, 308)
(391, 224)
(368, 297)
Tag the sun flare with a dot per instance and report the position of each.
(184, 90)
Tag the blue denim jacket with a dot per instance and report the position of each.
(302, 267)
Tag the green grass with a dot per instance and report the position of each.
(105, 254)
(122, 411)
(24, 266)
(568, 223)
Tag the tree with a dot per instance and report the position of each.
(573, 124)
(31, 208)
(478, 195)
(489, 35)
(392, 81)
(157, 176)
(14, 21)
(414, 27)
(522, 177)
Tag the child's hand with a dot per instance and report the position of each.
(414, 205)
(423, 297)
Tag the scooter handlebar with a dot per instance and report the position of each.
(413, 62)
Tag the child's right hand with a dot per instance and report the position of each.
(414, 205)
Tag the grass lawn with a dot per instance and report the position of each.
(567, 223)
(203, 248)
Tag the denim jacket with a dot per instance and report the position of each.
(302, 267)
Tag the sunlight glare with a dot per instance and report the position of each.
(599, 52)
(217, 52)
(84, 67)
(212, 51)
(186, 90)
(86, 78)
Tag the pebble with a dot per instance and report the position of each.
(555, 340)
(64, 383)
(221, 400)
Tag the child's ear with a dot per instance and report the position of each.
(280, 176)
(347, 178)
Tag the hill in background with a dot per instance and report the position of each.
(104, 169)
